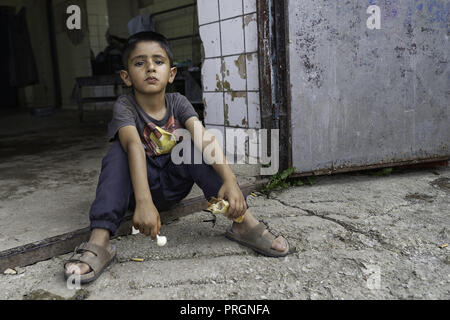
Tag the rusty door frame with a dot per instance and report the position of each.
(273, 38)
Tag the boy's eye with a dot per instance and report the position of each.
(158, 62)
(139, 63)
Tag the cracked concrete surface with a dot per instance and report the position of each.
(353, 236)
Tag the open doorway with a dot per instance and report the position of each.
(50, 166)
(53, 160)
(7, 91)
(18, 66)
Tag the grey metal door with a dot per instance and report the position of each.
(363, 96)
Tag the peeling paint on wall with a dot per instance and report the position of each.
(248, 19)
(226, 109)
(226, 85)
(240, 64)
(219, 83)
(238, 94)
(223, 68)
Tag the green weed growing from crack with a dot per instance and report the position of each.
(283, 180)
(382, 172)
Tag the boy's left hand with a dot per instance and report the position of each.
(230, 191)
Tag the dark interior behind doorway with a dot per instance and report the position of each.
(17, 63)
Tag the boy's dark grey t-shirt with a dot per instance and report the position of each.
(127, 112)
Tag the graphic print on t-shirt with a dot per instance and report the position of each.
(157, 140)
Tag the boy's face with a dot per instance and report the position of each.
(149, 69)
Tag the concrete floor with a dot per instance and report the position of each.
(354, 236)
(48, 176)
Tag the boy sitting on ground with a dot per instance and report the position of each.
(138, 172)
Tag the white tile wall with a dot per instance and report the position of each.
(253, 146)
(208, 11)
(210, 34)
(254, 112)
(251, 33)
(228, 29)
(230, 8)
(232, 36)
(249, 6)
(213, 108)
(234, 73)
(236, 105)
(252, 71)
(237, 145)
(211, 74)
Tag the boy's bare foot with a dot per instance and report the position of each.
(99, 237)
(279, 244)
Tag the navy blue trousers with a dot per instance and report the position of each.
(169, 184)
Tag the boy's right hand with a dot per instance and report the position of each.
(146, 219)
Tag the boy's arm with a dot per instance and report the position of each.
(146, 217)
(230, 190)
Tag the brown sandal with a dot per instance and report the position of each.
(98, 263)
(256, 241)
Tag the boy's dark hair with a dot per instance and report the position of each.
(133, 41)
